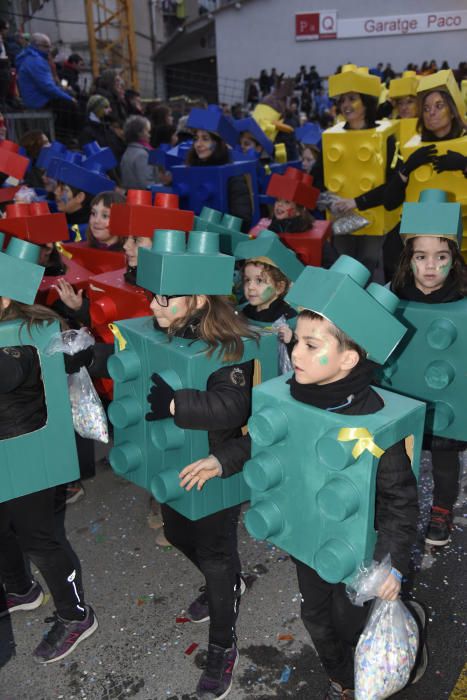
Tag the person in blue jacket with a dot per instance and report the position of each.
(38, 88)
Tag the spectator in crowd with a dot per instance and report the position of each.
(136, 173)
(33, 142)
(5, 73)
(39, 90)
(133, 102)
(264, 83)
(70, 71)
(160, 116)
(388, 73)
(99, 127)
(378, 71)
(253, 95)
(111, 85)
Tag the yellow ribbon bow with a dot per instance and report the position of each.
(62, 251)
(77, 232)
(122, 343)
(364, 441)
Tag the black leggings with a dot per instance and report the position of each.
(333, 623)
(446, 468)
(211, 544)
(27, 527)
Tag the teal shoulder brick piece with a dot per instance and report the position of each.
(268, 245)
(20, 275)
(46, 457)
(227, 226)
(339, 294)
(432, 215)
(151, 454)
(173, 266)
(312, 475)
(429, 364)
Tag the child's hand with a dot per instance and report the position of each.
(72, 299)
(284, 333)
(390, 588)
(197, 473)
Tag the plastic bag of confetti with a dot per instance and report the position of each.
(89, 419)
(387, 648)
(348, 223)
(285, 365)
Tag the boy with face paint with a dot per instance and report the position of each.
(432, 271)
(331, 372)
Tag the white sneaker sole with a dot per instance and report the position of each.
(80, 639)
(25, 606)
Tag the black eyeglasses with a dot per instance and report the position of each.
(163, 299)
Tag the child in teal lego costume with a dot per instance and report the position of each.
(27, 525)
(221, 410)
(267, 273)
(432, 271)
(332, 372)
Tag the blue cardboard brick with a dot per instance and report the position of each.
(45, 457)
(151, 454)
(310, 495)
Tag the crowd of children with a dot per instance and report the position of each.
(128, 257)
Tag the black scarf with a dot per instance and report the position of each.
(447, 293)
(278, 308)
(294, 224)
(130, 275)
(346, 392)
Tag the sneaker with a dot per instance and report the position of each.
(439, 527)
(336, 692)
(74, 491)
(198, 611)
(216, 680)
(64, 636)
(11, 602)
(421, 662)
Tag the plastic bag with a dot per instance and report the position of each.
(285, 364)
(348, 223)
(89, 419)
(387, 648)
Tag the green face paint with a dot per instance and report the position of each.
(323, 360)
(445, 269)
(174, 309)
(267, 293)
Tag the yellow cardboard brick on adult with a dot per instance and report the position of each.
(354, 163)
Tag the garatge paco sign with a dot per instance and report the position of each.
(326, 25)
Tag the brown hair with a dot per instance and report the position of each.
(220, 326)
(29, 314)
(457, 125)
(32, 142)
(404, 274)
(107, 199)
(219, 156)
(274, 273)
(344, 342)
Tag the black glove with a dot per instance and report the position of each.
(421, 156)
(159, 398)
(451, 161)
(83, 358)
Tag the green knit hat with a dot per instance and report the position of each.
(97, 104)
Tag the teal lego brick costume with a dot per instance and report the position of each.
(428, 364)
(331, 481)
(327, 453)
(35, 461)
(152, 454)
(37, 452)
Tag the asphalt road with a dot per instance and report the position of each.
(138, 590)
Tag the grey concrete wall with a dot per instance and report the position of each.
(261, 34)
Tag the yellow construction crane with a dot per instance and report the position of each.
(111, 34)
